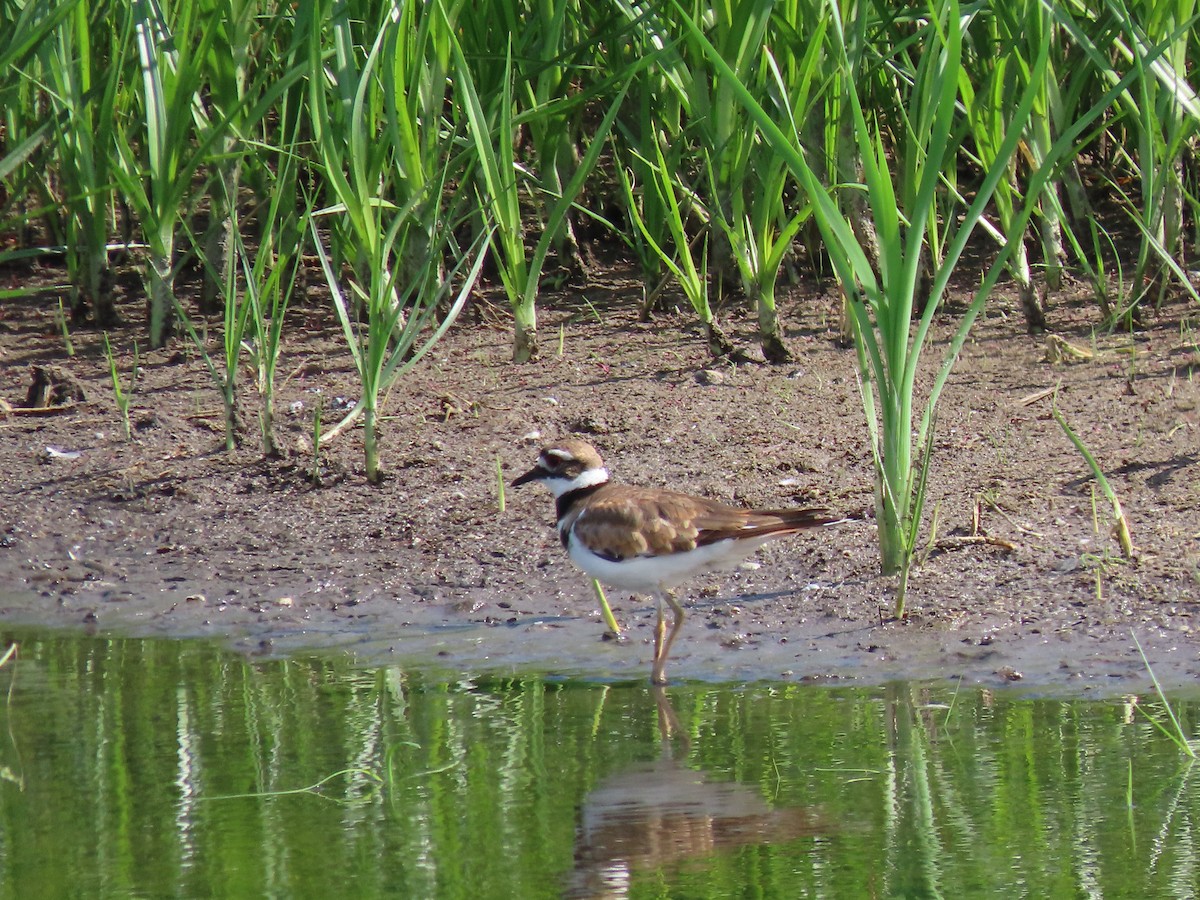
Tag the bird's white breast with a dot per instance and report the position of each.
(649, 573)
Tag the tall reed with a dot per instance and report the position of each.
(889, 329)
(84, 75)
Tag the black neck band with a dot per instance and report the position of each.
(565, 501)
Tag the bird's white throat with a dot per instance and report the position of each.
(585, 479)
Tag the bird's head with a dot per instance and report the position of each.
(566, 466)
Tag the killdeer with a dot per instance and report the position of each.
(648, 540)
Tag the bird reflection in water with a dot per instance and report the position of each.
(660, 814)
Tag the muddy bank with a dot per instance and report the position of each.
(168, 535)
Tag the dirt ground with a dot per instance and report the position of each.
(169, 535)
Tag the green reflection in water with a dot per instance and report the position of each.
(143, 768)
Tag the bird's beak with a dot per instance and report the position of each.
(535, 474)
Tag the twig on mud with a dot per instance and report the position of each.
(992, 505)
(8, 410)
(350, 418)
(1036, 397)
(960, 541)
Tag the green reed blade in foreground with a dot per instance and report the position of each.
(1176, 733)
(1122, 524)
(120, 394)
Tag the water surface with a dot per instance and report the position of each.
(157, 768)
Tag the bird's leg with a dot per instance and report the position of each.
(663, 649)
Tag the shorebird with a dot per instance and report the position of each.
(649, 540)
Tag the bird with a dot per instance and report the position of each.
(648, 540)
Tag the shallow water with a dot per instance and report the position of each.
(156, 768)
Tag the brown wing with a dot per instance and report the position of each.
(622, 521)
(787, 521)
(730, 521)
